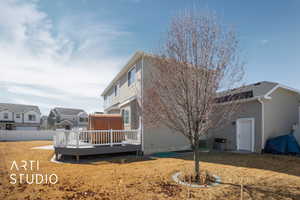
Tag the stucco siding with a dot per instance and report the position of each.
(162, 139)
(251, 109)
(134, 115)
(281, 113)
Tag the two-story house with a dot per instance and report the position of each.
(67, 118)
(19, 117)
(124, 96)
(267, 110)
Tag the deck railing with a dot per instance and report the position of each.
(77, 139)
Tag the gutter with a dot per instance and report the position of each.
(262, 123)
(142, 89)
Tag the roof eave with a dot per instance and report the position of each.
(283, 87)
(256, 98)
(133, 59)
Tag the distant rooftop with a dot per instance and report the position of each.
(258, 89)
(255, 90)
(68, 111)
(19, 108)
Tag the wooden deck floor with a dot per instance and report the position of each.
(96, 150)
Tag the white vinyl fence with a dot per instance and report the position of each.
(23, 135)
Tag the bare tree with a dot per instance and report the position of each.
(198, 59)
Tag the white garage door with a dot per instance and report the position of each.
(245, 134)
(26, 128)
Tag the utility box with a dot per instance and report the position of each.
(220, 144)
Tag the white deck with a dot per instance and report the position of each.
(94, 138)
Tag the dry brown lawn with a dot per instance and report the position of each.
(263, 176)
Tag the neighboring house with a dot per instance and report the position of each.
(19, 117)
(67, 118)
(44, 122)
(267, 110)
(121, 97)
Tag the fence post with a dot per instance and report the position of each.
(111, 138)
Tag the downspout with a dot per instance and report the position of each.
(142, 90)
(262, 123)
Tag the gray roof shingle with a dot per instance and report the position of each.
(68, 111)
(19, 108)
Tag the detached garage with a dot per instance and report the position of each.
(268, 110)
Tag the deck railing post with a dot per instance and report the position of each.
(111, 138)
(138, 135)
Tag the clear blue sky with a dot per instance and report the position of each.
(63, 53)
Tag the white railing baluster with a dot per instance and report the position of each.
(111, 139)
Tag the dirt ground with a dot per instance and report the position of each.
(125, 177)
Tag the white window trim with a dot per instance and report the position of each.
(253, 132)
(33, 117)
(131, 69)
(116, 88)
(128, 110)
(5, 115)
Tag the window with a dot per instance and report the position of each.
(131, 76)
(116, 90)
(125, 115)
(105, 100)
(18, 116)
(5, 115)
(82, 119)
(31, 117)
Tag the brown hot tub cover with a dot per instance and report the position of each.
(106, 122)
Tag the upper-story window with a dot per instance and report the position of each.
(116, 90)
(131, 76)
(18, 116)
(5, 115)
(31, 117)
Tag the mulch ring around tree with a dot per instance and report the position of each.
(188, 179)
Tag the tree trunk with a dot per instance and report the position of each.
(197, 164)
